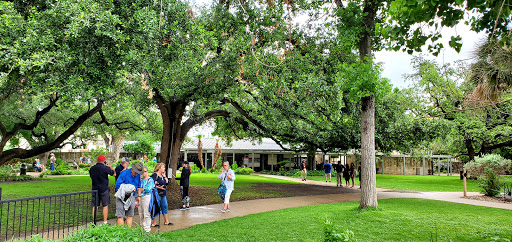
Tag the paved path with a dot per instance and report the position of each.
(211, 213)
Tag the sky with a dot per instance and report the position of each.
(396, 64)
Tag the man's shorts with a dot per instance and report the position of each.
(104, 199)
(120, 212)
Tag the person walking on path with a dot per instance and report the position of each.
(184, 184)
(352, 173)
(339, 168)
(304, 172)
(161, 184)
(327, 170)
(121, 167)
(145, 198)
(127, 185)
(99, 175)
(228, 177)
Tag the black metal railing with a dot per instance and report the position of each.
(51, 217)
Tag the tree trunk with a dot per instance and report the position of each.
(117, 145)
(200, 152)
(311, 164)
(470, 148)
(368, 176)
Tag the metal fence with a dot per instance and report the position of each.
(51, 217)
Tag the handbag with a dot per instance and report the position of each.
(222, 189)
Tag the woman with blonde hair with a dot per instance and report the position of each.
(161, 184)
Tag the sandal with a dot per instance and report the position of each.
(168, 223)
(155, 225)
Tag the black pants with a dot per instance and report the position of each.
(184, 193)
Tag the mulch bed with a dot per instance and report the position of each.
(489, 199)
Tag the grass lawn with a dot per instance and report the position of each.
(47, 186)
(421, 183)
(395, 220)
(57, 185)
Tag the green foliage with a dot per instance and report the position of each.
(141, 147)
(94, 153)
(490, 184)
(495, 162)
(331, 234)
(113, 233)
(244, 171)
(361, 79)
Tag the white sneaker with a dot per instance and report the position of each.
(227, 210)
(222, 210)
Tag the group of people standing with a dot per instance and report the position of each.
(347, 172)
(134, 189)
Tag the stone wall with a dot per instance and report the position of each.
(395, 165)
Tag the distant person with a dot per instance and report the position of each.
(52, 161)
(352, 173)
(346, 175)
(359, 175)
(339, 168)
(327, 170)
(99, 175)
(38, 166)
(228, 177)
(127, 185)
(154, 159)
(145, 198)
(161, 184)
(184, 184)
(304, 171)
(121, 167)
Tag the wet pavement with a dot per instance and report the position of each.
(210, 213)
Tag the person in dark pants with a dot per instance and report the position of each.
(99, 175)
(359, 175)
(184, 184)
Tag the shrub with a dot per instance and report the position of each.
(330, 233)
(244, 171)
(113, 233)
(490, 183)
(497, 163)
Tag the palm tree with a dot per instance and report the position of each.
(492, 73)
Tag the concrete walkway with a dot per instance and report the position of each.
(211, 213)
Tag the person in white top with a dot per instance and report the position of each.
(228, 177)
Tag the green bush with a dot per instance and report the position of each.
(330, 233)
(490, 183)
(477, 167)
(106, 233)
(244, 171)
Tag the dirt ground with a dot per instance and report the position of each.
(205, 196)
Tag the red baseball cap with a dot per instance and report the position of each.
(101, 158)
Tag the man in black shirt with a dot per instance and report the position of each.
(121, 167)
(339, 172)
(99, 176)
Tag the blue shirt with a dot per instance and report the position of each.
(327, 167)
(127, 178)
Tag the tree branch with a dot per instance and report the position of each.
(467, 109)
